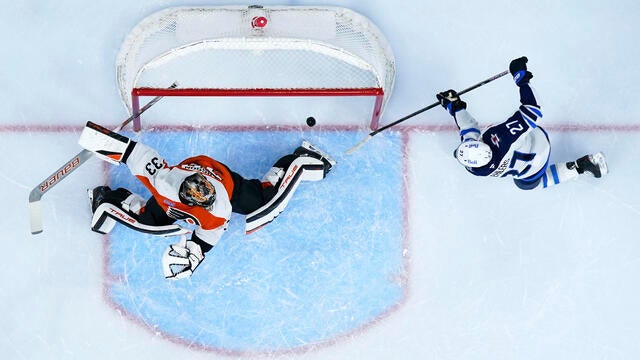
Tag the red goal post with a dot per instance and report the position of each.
(240, 51)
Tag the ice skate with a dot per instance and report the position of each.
(306, 148)
(96, 196)
(596, 164)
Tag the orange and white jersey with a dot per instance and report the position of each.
(164, 183)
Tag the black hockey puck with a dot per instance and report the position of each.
(311, 121)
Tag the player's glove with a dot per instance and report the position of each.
(451, 101)
(518, 69)
(181, 260)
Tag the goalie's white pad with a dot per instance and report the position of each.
(304, 168)
(181, 260)
(106, 144)
(106, 216)
(312, 148)
(273, 176)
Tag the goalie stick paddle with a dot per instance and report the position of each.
(377, 131)
(35, 211)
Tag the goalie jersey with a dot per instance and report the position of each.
(520, 148)
(163, 181)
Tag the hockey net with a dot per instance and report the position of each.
(261, 52)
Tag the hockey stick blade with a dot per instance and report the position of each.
(35, 217)
(358, 145)
(35, 208)
(375, 132)
(35, 213)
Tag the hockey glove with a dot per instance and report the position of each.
(451, 101)
(518, 69)
(181, 260)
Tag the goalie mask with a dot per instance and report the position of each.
(197, 190)
(473, 154)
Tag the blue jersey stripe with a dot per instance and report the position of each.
(554, 172)
(466, 131)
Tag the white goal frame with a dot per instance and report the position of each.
(323, 42)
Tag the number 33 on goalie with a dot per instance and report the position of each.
(198, 190)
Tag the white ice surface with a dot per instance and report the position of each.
(494, 273)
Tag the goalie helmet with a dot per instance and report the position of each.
(473, 154)
(196, 190)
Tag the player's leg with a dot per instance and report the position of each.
(307, 163)
(594, 164)
(248, 194)
(251, 194)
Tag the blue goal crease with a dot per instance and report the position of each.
(327, 266)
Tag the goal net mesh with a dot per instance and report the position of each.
(256, 51)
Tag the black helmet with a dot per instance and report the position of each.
(197, 190)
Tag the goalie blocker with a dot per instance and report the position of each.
(104, 143)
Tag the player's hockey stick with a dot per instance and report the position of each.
(375, 132)
(35, 212)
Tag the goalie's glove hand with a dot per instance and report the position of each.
(451, 101)
(181, 260)
(518, 69)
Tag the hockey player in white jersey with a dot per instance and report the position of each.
(517, 147)
(199, 190)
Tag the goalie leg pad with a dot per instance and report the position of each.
(101, 222)
(303, 168)
(273, 176)
(104, 143)
(308, 149)
(106, 216)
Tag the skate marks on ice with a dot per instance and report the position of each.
(330, 265)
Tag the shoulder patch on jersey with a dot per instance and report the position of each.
(182, 215)
(495, 140)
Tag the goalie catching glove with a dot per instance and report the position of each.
(181, 260)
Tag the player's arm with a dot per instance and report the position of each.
(467, 125)
(143, 161)
(530, 108)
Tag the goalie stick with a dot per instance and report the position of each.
(375, 132)
(35, 211)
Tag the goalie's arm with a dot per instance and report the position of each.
(144, 162)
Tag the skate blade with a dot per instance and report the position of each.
(600, 160)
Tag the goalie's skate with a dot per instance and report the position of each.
(96, 196)
(306, 148)
(596, 164)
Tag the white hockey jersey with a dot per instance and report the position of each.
(520, 148)
(163, 181)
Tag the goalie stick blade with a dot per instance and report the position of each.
(35, 217)
(35, 213)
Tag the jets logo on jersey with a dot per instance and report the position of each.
(495, 140)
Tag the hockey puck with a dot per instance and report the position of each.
(311, 121)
